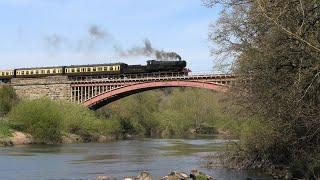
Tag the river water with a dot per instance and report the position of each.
(116, 159)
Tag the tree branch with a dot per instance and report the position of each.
(263, 10)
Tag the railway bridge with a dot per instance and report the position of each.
(97, 91)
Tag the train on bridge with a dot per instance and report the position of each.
(95, 69)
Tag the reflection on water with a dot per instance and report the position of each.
(116, 159)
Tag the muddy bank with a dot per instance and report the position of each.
(21, 138)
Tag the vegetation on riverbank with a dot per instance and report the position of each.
(172, 113)
(48, 121)
(165, 113)
(51, 121)
(276, 47)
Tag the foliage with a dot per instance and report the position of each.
(8, 99)
(276, 46)
(84, 122)
(41, 118)
(201, 176)
(47, 120)
(5, 130)
(171, 112)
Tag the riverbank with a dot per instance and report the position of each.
(21, 138)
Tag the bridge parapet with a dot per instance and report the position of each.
(154, 77)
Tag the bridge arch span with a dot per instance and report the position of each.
(111, 96)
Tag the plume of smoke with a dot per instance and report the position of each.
(148, 50)
(55, 41)
(96, 37)
(97, 32)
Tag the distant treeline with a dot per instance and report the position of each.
(174, 112)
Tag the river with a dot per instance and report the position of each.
(116, 159)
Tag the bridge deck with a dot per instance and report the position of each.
(151, 77)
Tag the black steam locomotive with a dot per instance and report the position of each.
(96, 69)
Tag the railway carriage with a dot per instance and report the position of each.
(97, 69)
(6, 74)
(38, 72)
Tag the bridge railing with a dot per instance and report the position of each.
(149, 76)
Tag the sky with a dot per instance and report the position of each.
(37, 33)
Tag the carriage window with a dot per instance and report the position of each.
(99, 68)
(94, 69)
(105, 68)
(48, 71)
(37, 72)
(88, 69)
(54, 71)
(111, 68)
(27, 72)
(31, 72)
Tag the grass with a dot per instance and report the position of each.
(5, 130)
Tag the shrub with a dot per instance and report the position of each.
(79, 120)
(41, 118)
(8, 99)
(47, 120)
(5, 130)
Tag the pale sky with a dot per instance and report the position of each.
(56, 32)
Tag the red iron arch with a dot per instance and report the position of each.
(108, 97)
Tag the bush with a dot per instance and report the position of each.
(79, 120)
(42, 118)
(5, 130)
(46, 120)
(8, 99)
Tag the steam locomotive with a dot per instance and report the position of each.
(95, 69)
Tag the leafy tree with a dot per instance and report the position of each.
(276, 47)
